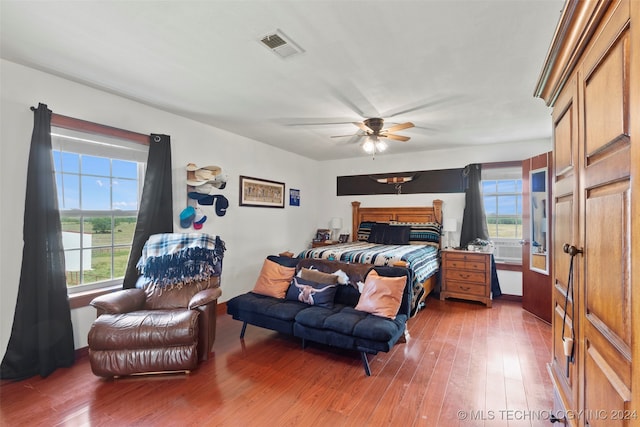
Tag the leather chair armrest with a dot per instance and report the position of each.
(204, 297)
(123, 301)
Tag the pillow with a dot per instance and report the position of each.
(318, 276)
(274, 279)
(381, 295)
(312, 293)
(397, 235)
(364, 229)
(343, 278)
(423, 232)
(378, 232)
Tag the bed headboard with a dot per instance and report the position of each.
(404, 214)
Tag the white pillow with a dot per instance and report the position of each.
(343, 278)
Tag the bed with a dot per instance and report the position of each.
(421, 255)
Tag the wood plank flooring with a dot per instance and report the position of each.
(463, 365)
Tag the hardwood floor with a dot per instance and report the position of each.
(464, 365)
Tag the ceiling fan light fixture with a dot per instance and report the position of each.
(368, 146)
(381, 146)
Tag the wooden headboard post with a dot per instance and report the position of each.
(402, 214)
(355, 220)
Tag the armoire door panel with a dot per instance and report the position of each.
(563, 138)
(562, 233)
(607, 399)
(612, 349)
(607, 263)
(605, 101)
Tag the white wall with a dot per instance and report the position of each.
(250, 233)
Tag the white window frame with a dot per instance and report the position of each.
(504, 244)
(88, 143)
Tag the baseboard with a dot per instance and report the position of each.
(221, 308)
(507, 297)
(82, 353)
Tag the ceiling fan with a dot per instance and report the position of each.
(373, 129)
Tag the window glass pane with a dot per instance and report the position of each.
(57, 160)
(519, 201)
(120, 258)
(123, 230)
(92, 165)
(70, 233)
(490, 206)
(506, 186)
(68, 191)
(70, 162)
(100, 265)
(96, 194)
(507, 205)
(99, 227)
(123, 169)
(72, 265)
(488, 187)
(125, 194)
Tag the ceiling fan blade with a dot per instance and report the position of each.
(395, 137)
(420, 106)
(364, 127)
(398, 127)
(344, 136)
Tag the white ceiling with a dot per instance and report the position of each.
(470, 65)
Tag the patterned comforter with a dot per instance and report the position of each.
(422, 260)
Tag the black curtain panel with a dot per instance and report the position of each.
(156, 207)
(42, 335)
(474, 222)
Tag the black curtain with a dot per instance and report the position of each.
(156, 206)
(42, 335)
(474, 222)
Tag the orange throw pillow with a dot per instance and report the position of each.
(274, 279)
(381, 295)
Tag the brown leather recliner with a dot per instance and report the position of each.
(153, 329)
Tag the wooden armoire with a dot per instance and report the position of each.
(591, 78)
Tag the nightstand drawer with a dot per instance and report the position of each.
(466, 275)
(465, 265)
(466, 288)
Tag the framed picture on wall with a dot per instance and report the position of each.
(261, 192)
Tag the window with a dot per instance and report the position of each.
(99, 182)
(502, 196)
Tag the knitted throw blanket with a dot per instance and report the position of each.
(175, 259)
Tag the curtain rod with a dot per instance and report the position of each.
(72, 123)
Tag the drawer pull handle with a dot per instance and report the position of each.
(465, 288)
(464, 276)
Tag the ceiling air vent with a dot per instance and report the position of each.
(281, 45)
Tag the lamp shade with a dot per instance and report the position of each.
(336, 223)
(450, 224)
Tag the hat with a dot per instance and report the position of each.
(203, 199)
(210, 187)
(203, 174)
(221, 204)
(186, 216)
(199, 219)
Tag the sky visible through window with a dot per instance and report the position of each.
(95, 183)
(502, 197)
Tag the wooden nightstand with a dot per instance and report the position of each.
(324, 243)
(466, 275)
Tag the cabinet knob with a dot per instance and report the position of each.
(571, 250)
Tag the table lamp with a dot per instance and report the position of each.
(336, 226)
(449, 225)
